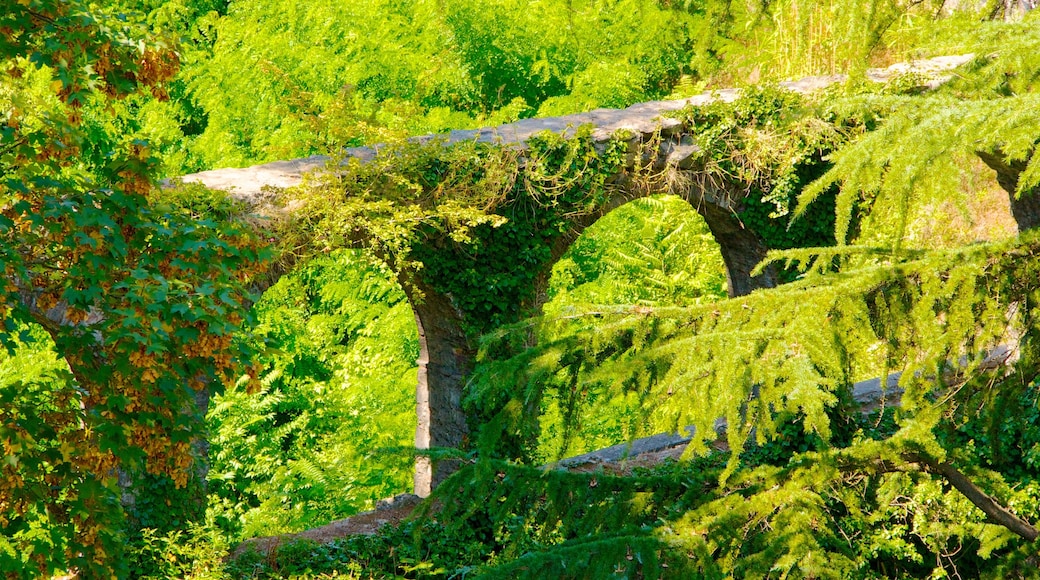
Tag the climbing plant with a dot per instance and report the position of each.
(480, 222)
(760, 151)
(469, 220)
(140, 295)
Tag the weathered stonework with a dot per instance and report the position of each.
(643, 120)
(446, 356)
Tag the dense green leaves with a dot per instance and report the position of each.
(652, 251)
(335, 74)
(329, 431)
(470, 220)
(140, 298)
(860, 505)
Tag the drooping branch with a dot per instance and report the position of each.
(993, 509)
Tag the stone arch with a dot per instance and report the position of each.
(741, 247)
(447, 355)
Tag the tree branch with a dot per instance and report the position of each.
(996, 512)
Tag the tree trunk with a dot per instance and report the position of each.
(445, 360)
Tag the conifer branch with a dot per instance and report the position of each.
(996, 512)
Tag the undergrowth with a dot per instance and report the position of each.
(500, 520)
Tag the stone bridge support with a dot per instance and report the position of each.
(447, 356)
(742, 250)
(1026, 208)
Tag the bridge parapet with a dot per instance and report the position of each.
(643, 120)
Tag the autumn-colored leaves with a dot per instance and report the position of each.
(91, 52)
(140, 298)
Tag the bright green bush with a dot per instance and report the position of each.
(331, 428)
(266, 80)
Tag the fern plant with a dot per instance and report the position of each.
(867, 307)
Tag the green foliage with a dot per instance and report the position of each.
(805, 38)
(195, 552)
(37, 398)
(774, 40)
(334, 74)
(473, 222)
(761, 150)
(652, 251)
(142, 294)
(140, 300)
(915, 156)
(415, 549)
(469, 220)
(915, 316)
(328, 432)
(846, 504)
(842, 512)
(491, 525)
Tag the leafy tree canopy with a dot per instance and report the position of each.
(141, 297)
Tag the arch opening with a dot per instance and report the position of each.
(444, 292)
(448, 358)
(656, 251)
(337, 396)
(650, 251)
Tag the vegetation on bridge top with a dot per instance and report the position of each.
(124, 304)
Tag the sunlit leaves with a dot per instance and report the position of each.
(329, 429)
(139, 298)
(330, 74)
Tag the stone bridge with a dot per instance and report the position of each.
(447, 353)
